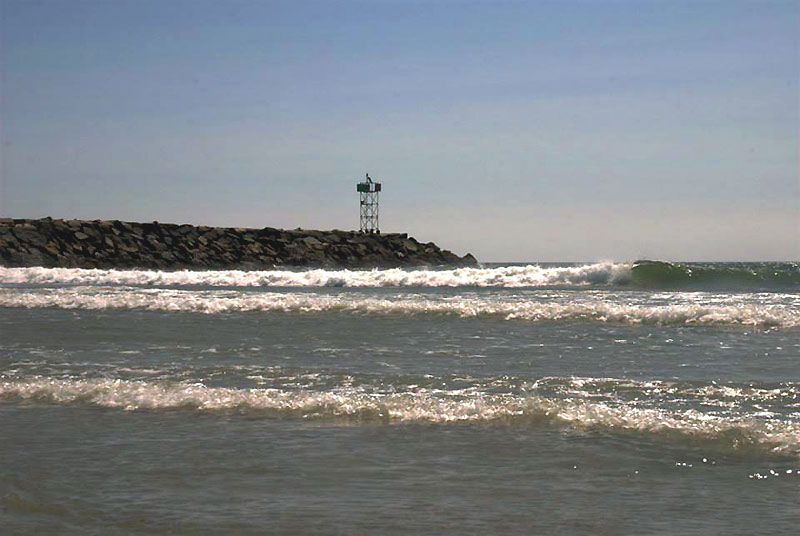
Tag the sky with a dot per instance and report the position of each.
(517, 131)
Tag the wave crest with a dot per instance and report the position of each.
(218, 302)
(735, 434)
(660, 274)
(506, 276)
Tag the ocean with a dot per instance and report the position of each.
(598, 398)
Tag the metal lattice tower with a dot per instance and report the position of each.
(368, 193)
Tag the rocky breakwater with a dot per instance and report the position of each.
(117, 244)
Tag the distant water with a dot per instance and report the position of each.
(608, 398)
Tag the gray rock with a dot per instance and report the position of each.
(313, 242)
(117, 244)
(410, 245)
(469, 260)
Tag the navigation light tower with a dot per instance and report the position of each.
(368, 193)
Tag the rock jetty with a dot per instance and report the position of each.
(117, 244)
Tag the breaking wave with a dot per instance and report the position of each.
(732, 433)
(644, 274)
(506, 276)
(219, 302)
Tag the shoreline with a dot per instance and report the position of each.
(114, 244)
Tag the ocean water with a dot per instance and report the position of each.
(604, 398)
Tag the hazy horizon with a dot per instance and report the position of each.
(576, 131)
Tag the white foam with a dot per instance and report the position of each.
(736, 433)
(533, 310)
(507, 276)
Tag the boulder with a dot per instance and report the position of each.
(118, 244)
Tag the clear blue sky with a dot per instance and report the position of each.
(570, 130)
